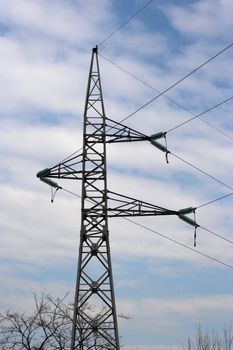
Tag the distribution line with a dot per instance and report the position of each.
(177, 82)
(168, 238)
(124, 23)
(198, 115)
(167, 97)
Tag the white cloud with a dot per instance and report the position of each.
(205, 19)
(37, 84)
(196, 307)
(72, 21)
(45, 53)
(19, 283)
(156, 316)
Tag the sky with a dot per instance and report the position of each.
(45, 51)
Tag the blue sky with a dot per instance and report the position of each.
(45, 49)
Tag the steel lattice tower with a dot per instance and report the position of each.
(97, 290)
(95, 319)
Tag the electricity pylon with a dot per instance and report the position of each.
(95, 318)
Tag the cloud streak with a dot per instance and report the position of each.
(45, 54)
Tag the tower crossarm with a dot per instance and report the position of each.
(114, 132)
(120, 205)
(117, 132)
(71, 168)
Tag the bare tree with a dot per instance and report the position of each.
(205, 340)
(48, 326)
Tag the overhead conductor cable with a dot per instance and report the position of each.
(177, 82)
(124, 23)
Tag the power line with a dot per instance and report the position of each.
(197, 207)
(215, 128)
(179, 243)
(72, 154)
(202, 171)
(177, 126)
(70, 192)
(169, 238)
(214, 200)
(166, 90)
(216, 234)
(167, 97)
(124, 23)
(132, 75)
(198, 115)
(177, 82)
(162, 93)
